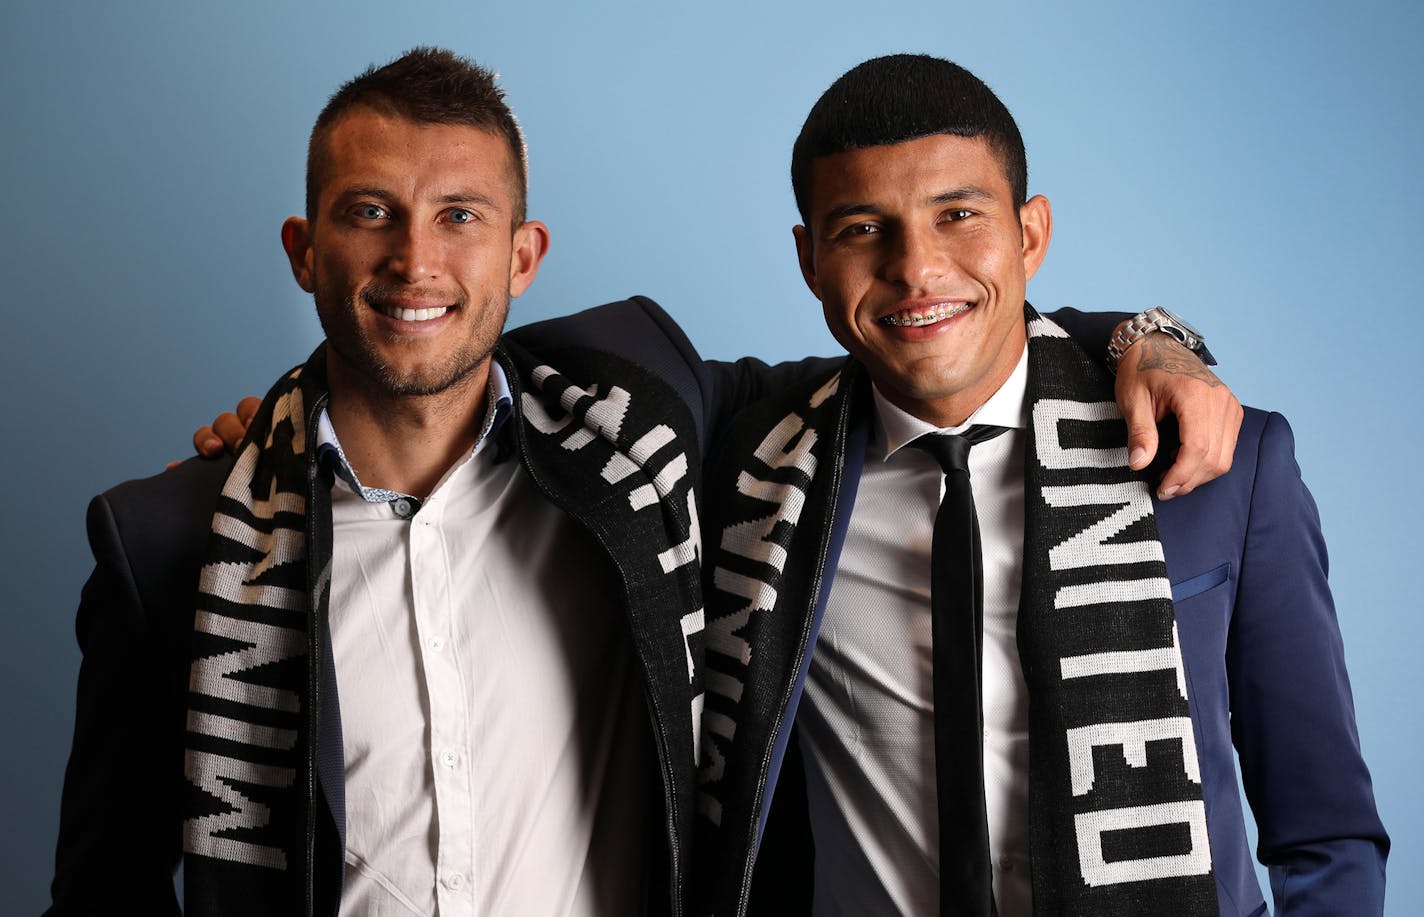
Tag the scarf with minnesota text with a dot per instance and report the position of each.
(1117, 820)
(619, 452)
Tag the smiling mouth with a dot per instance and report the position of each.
(412, 315)
(912, 318)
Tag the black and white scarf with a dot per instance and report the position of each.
(619, 454)
(251, 691)
(1118, 823)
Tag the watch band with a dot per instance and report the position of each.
(1148, 321)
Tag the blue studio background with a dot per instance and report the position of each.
(1251, 165)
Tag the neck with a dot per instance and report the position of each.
(405, 443)
(955, 409)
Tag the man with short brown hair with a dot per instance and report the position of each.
(446, 603)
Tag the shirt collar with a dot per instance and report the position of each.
(1007, 407)
(499, 403)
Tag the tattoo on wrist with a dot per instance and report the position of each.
(1162, 351)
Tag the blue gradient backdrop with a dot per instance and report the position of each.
(1252, 165)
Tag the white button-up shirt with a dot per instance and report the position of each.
(496, 741)
(867, 719)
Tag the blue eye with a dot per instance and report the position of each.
(370, 211)
(461, 216)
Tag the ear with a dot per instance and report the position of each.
(1036, 220)
(531, 243)
(296, 240)
(806, 257)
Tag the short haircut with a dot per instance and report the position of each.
(427, 86)
(902, 97)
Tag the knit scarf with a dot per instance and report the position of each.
(250, 688)
(1117, 823)
(619, 454)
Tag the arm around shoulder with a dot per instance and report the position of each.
(1157, 377)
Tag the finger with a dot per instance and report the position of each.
(1199, 455)
(230, 428)
(173, 464)
(1226, 449)
(1184, 474)
(1208, 446)
(247, 409)
(207, 443)
(1196, 431)
(1138, 412)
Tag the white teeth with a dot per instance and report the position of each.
(415, 315)
(925, 319)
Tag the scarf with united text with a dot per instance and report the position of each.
(1117, 818)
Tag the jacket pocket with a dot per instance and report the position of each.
(1196, 585)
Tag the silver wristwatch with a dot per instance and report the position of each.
(1154, 319)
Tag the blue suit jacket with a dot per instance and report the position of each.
(1266, 673)
(1266, 677)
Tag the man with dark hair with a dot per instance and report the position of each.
(1019, 696)
(905, 97)
(432, 641)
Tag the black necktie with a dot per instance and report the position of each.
(966, 886)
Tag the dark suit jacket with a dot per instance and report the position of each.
(124, 793)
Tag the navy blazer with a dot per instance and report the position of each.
(1265, 670)
(1266, 680)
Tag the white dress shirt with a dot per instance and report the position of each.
(867, 719)
(495, 736)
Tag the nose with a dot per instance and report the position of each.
(917, 257)
(416, 252)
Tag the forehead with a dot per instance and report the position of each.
(395, 153)
(903, 174)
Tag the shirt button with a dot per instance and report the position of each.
(449, 759)
(402, 507)
(437, 643)
(1006, 862)
(454, 881)
(986, 733)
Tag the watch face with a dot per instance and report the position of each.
(1185, 325)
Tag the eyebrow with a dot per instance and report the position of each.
(848, 210)
(468, 197)
(960, 195)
